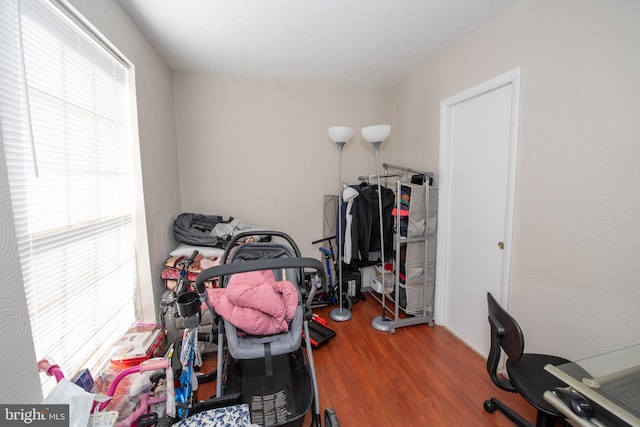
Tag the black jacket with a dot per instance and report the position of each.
(365, 226)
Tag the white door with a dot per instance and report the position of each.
(476, 206)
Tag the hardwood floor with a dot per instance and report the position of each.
(418, 376)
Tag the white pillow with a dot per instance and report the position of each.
(206, 251)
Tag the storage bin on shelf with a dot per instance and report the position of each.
(389, 280)
(416, 248)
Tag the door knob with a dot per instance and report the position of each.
(501, 245)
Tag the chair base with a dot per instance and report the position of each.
(542, 420)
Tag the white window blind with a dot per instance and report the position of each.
(65, 116)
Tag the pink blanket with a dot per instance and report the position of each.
(256, 303)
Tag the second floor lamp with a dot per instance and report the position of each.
(376, 135)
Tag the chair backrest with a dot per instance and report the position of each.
(506, 335)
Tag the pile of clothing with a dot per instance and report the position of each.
(256, 303)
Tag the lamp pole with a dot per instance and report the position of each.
(381, 322)
(340, 135)
(376, 135)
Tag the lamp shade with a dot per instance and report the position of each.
(340, 133)
(377, 133)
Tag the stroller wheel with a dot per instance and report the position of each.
(330, 418)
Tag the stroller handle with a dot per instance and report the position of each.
(258, 232)
(256, 265)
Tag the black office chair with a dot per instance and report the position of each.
(526, 370)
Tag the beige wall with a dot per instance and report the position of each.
(258, 149)
(575, 278)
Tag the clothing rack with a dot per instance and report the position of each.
(370, 178)
(426, 174)
(419, 314)
(399, 176)
(394, 175)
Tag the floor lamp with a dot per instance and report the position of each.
(340, 135)
(376, 135)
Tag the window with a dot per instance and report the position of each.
(65, 112)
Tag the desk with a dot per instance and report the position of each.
(610, 380)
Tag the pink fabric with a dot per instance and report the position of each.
(256, 303)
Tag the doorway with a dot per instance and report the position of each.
(478, 140)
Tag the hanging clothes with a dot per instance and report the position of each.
(365, 223)
(348, 196)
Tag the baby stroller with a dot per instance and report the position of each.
(272, 373)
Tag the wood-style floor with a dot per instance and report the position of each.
(418, 376)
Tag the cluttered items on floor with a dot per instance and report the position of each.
(133, 388)
(209, 230)
(263, 377)
(141, 342)
(206, 237)
(319, 332)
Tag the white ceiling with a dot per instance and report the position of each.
(348, 41)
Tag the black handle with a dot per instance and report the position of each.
(256, 265)
(249, 233)
(185, 263)
(323, 240)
